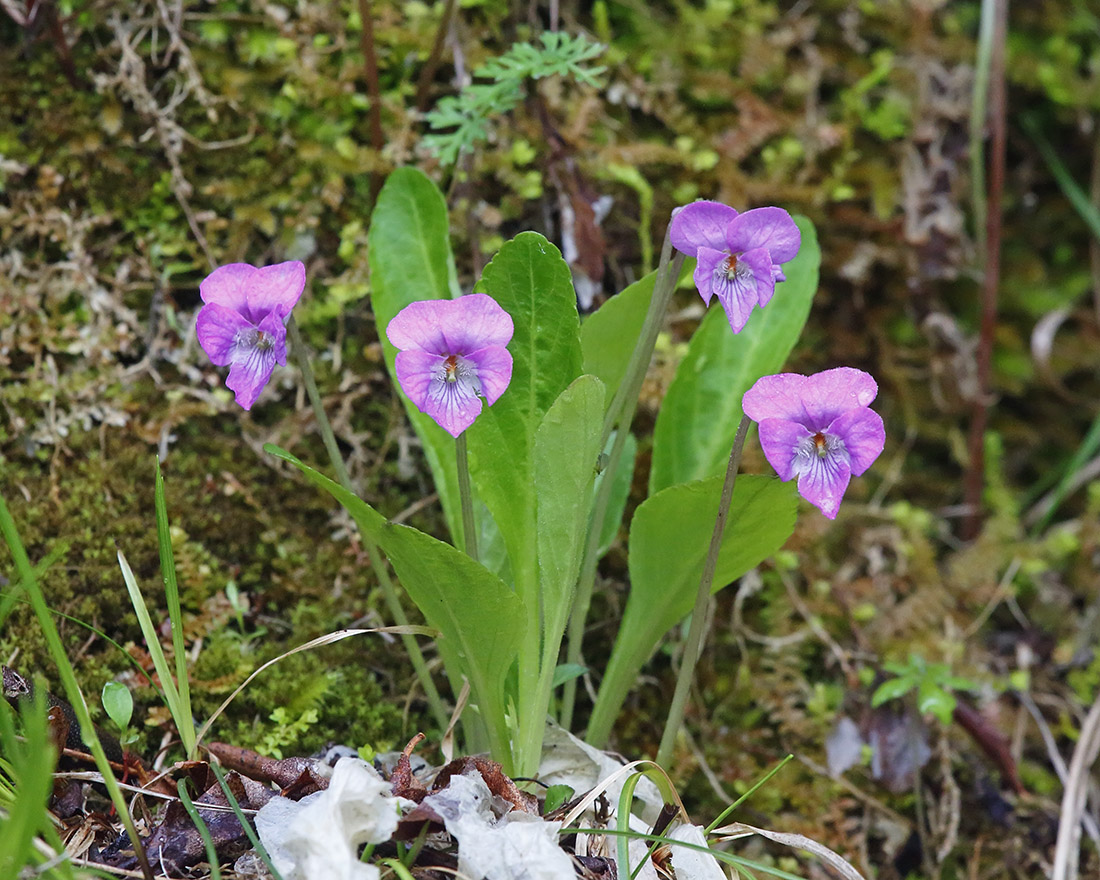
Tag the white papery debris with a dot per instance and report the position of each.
(843, 746)
(690, 864)
(567, 760)
(495, 844)
(320, 835)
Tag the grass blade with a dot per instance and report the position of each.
(184, 722)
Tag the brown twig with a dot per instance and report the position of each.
(374, 89)
(974, 478)
(434, 57)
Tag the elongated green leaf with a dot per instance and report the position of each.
(702, 408)
(620, 491)
(610, 334)
(175, 612)
(480, 619)
(531, 281)
(567, 446)
(669, 537)
(410, 260)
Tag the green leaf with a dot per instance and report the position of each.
(892, 690)
(610, 334)
(481, 621)
(118, 703)
(410, 260)
(564, 672)
(620, 492)
(702, 408)
(931, 698)
(567, 446)
(556, 796)
(529, 280)
(669, 537)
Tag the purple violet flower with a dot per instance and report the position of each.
(450, 351)
(738, 256)
(818, 428)
(243, 323)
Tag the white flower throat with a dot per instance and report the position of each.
(256, 339)
(457, 370)
(732, 269)
(820, 445)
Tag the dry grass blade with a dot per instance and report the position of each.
(447, 744)
(1067, 849)
(604, 784)
(796, 841)
(326, 639)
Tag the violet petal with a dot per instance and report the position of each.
(455, 326)
(217, 328)
(737, 295)
(494, 370)
(473, 322)
(228, 286)
(771, 228)
(779, 438)
(776, 397)
(417, 326)
(276, 289)
(830, 394)
(251, 368)
(273, 326)
(823, 481)
(416, 370)
(864, 437)
(453, 405)
(759, 262)
(706, 265)
(700, 224)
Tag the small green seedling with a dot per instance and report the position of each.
(118, 703)
(933, 683)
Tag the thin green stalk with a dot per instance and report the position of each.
(620, 413)
(297, 346)
(204, 831)
(68, 681)
(185, 722)
(389, 592)
(693, 646)
(469, 527)
(246, 823)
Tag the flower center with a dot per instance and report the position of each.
(821, 444)
(731, 269)
(255, 339)
(450, 368)
(819, 449)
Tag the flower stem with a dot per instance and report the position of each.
(620, 413)
(693, 646)
(389, 592)
(469, 527)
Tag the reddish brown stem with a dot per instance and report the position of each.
(434, 57)
(974, 479)
(374, 88)
(992, 742)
